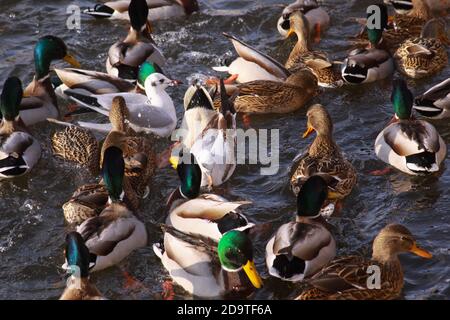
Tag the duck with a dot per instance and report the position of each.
(300, 248)
(318, 18)
(347, 278)
(210, 135)
(39, 99)
(125, 56)
(204, 214)
(207, 268)
(152, 113)
(426, 55)
(435, 102)
(158, 10)
(78, 263)
(89, 82)
(19, 150)
(412, 146)
(323, 157)
(140, 163)
(301, 55)
(370, 64)
(116, 232)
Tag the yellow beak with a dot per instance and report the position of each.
(290, 32)
(174, 161)
(308, 131)
(420, 252)
(253, 275)
(72, 61)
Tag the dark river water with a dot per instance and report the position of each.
(32, 227)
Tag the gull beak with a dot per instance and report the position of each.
(253, 275)
(72, 61)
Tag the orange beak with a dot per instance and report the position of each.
(308, 131)
(420, 252)
(290, 32)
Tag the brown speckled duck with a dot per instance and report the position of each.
(347, 278)
(323, 157)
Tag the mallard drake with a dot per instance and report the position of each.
(435, 102)
(326, 71)
(412, 146)
(138, 153)
(19, 150)
(208, 268)
(39, 99)
(206, 214)
(302, 247)
(158, 9)
(348, 278)
(89, 82)
(323, 157)
(151, 113)
(424, 56)
(116, 232)
(125, 56)
(370, 64)
(317, 17)
(78, 263)
(210, 135)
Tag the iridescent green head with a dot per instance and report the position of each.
(235, 252)
(189, 173)
(48, 49)
(402, 99)
(113, 168)
(11, 97)
(145, 70)
(311, 197)
(374, 36)
(77, 255)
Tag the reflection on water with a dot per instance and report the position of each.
(31, 222)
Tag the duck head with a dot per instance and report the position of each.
(235, 252)
(10, 99)
(394, 239)
(197, 96)
(311, 197)
(402, 100)
(48, 49)
(78, 258)
(113, 168)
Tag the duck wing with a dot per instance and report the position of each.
(251, 54)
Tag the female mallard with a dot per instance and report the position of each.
(302, 247)
(207, 214)
(348, 278)
(435, 102)
(210, 135)
(301, 55)
(152, 113)
(426, 55)
(19, 151)
(39, 102)
(89, 82)
(210, 268)
(317, 17)
(158, 9)
(324, 158)
(412, 146)
(125, 56)
(368, 65)
(78, 263)
(140, 163)
(116, 232)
